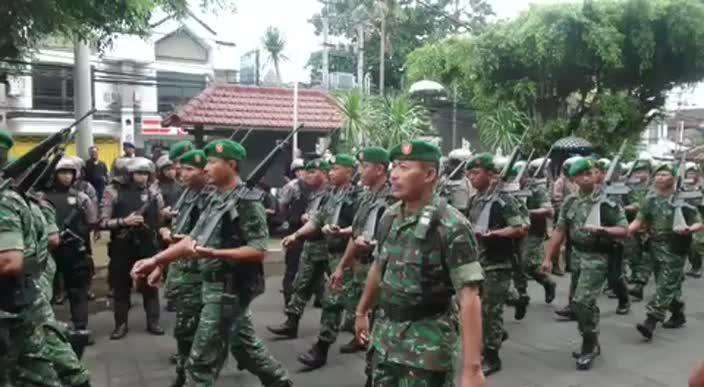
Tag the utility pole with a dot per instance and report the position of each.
(326, 64)
(382, 51)
(360, 55)
(83, 96)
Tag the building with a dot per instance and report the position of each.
(134, 82)
(265, 115)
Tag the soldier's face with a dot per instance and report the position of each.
(169, 172)
(65, 178)
(371, 173)
(219, 171)
(300, 174)
(140, 178)
(191, 175)
(692, 175)
(598, 175)
(480, 178)
(664, 180)
(409, 179)
(585, 180)
(340, 175)
(641, 175)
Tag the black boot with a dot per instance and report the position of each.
(695, 273)
(352, 347)
(317, 356)
(566, 313)
(491, 363)
(119, 332)
(504, 335)
(636, 292)
(173, 359)
(288, 329)
(589, 351)
(610, 293)
(180, 381)
(154, 328)
(647, 327)
(677, 320)
(521, 307)
(624, 306)
(549, 291)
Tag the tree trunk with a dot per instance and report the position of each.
(278, 73)
(382, 45)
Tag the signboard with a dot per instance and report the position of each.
(151, 126)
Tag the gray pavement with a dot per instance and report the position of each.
(538, 352)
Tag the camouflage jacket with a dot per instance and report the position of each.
(190, 205)
(657, 214)
(338, 207)
(538, 199)
(426, 343)
(495, 253)
(573, 214)
(367, 202)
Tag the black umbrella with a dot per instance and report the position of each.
(565, 148)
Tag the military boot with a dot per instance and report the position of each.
(636, 292)
(119, 332)
(566, 313)
(317, 356)
(289, 328)
(589, 351)
(647, 327)
(352, 347)
(180, 381)
(491, 363)
(521, 307)
(624, 306)
(550, 288)
(677, 319)
(283, 383)
(173, 359)
(695, 273)
(154, 328)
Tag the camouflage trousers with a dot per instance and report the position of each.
(188, 303)
(668, 269)
(173, 281)
(531, 259)
(494, 294)
(46, 280)
(216, 331)
(386, 374)
(574, 274)
(697, 251)
(353, 292)
(334, 306)
(311, 272)
(638, 261)
(593, 269)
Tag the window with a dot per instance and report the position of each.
(52, 87)
(175, 89)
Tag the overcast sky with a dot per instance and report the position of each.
(247, 26)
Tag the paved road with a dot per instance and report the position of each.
(537, 353)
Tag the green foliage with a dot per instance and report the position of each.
(600, 70)
(26, 23)
(274, 44)
(379, 121)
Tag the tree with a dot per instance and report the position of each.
(26, 23)
(600, 70)
(341, 61)
(409, 24)
(274, 44)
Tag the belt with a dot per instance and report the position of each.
(401, 313)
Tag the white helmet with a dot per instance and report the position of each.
(163, 162)
(140, 164)
(535, 163)
(297, 164)
(460, 154)
(68, 163)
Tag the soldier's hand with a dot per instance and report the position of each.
(165, 234)
(134, 220)
(685, 230)
(696, 379)
(143, 267)
(154, 277)
(177, 237)
(304, 218)
(205, 252)
(169, 213)
(289, 240)
(363, 244)
(361, 328)
(546, 266)
(335, 280)
(472, 378)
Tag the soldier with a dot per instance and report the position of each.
(456, 187)
(562, 187)
(358, 256)
(693, 183)
(668, 249)
(230, 240)
(591, 247)
(166, 181)
(639, 182)
(496, 246)
(616, 278)
(426, 253)
(76, 215)
(175, 151)
(131, 213)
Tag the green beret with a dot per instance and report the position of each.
(667, 167)
(516, 168)
(316, 164)
(374, 155)
(225, 149)
(343, 160)
(603, 164)
(180, 148)
(580, 166)
(415, 150)
(482, 160)
(195, 158)
(6, 141)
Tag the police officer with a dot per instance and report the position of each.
(131, 213)
(76, 215)
(166, 181)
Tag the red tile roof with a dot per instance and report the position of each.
(257, 107)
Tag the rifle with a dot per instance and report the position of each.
(608, 187)
(542, 166)
(35, 155)
(514, 188)
(482, 224)
(260, 170)
(244, 138)
(679, 198)
(461, 166)
(232, 136)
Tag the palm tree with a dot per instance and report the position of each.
(274, 43)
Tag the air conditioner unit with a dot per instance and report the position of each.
(15, 86)
(341, 81)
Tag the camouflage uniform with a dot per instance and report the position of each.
(224, 316)
(56, 347)
(533, 246)
(667, 252)
(495, 258)
(414, 333)
(591, 251)
(23, 361)
(633, 246)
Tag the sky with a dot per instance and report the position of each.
(246, 27)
